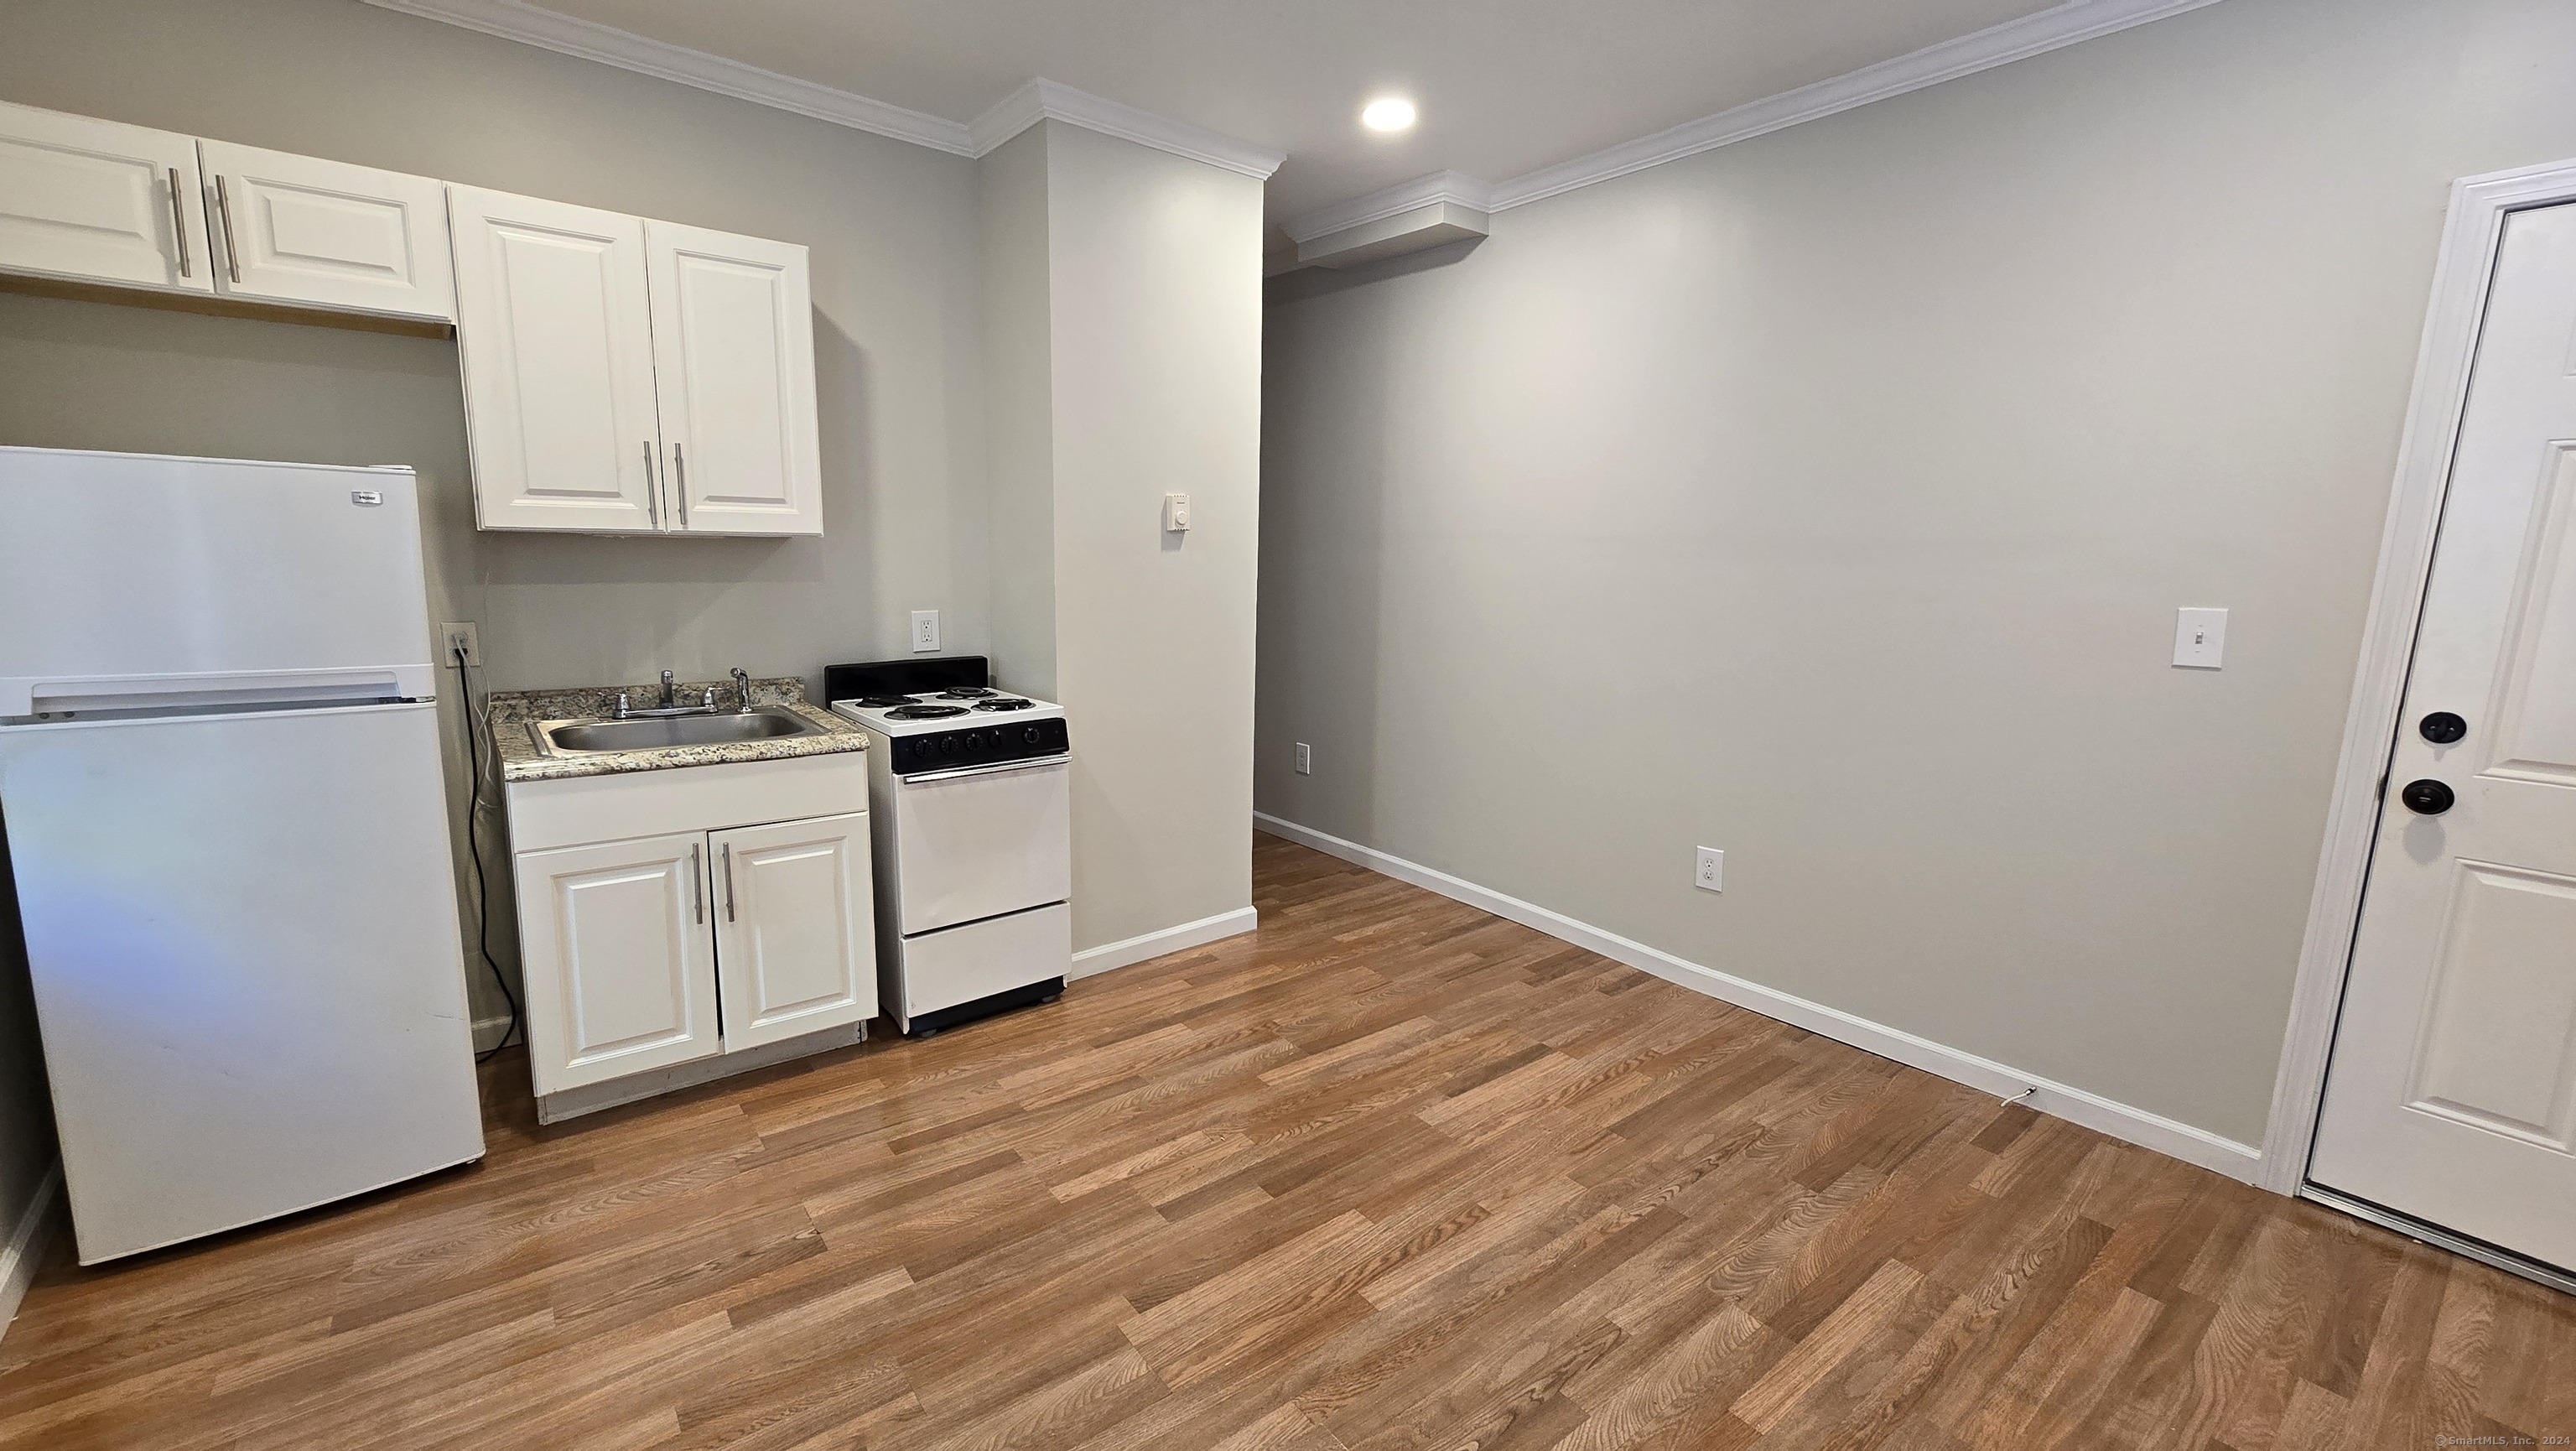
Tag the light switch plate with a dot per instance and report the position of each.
(925, 631)
(2200, 638)
(1176, 513)
(1709, 874)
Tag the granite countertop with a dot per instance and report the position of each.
(512, 713)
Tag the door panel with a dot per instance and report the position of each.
(102, 202)
(795, 938)
(241, 930)
(733, 349)
(304, 230)
(555, 332)
(981, 845)
(2452, 1092)
(619, 963)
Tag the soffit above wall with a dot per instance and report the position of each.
(1547, 96)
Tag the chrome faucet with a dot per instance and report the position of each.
(741, 691)
(666, 690)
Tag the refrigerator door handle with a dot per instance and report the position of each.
(29, 695)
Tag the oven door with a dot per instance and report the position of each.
(982, 841)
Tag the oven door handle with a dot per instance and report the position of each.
(996, 769)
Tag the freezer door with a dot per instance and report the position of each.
(127, 575)
(249, 977)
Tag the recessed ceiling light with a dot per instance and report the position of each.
(1389, 113)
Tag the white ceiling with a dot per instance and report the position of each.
(1505, 86)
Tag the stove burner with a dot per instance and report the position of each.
(884, 702)
(1009, 703)
(965, 692)
(924, 712)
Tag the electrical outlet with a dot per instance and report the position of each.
(455, 637)
(925, 630)
(1710, 874)
(1305, 759)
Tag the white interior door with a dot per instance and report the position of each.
(2452, 1092)
(733, 351)
(99, 201)
(618, 959)
(556, 334)
(796, 933)
(300, 229)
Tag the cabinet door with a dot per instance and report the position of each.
(101, 202)
(297, 229)
(619, 962)
(733, 360)
(795, 928)
(556, 337)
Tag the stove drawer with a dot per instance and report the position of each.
(981, 959)
(978, 845)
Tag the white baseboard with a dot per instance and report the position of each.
(1092, 961)
(488, 1032)
(26, 1247)
(2119, 1120)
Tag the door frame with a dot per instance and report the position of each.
(2462, 275)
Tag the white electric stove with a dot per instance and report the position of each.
(968, 807)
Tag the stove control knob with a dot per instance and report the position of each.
(948, 745)
(974, 743)
(1032, 736)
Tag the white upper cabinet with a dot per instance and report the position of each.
(296, 229)
(733, 356)
(101, 202)
(554, 328)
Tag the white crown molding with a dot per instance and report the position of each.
(1394, 201)
(2070, 23)
(550, 30)
(1041, 100)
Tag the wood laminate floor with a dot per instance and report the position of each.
(1392, 1173)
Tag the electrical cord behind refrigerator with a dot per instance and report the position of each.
(474, 849)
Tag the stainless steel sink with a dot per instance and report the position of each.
(589, 737)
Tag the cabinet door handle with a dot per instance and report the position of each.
(728, 860)
(697, 886)
(652, 489)
(178, 222)
(680, 483)
(224, 206)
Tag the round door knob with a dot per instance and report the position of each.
(2442, 727)
(2427, 797)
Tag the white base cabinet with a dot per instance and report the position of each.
(726, 934)
(620, 969)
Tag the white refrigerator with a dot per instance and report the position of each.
(220, 788)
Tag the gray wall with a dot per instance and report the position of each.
(1827, 499)
(1155, 332)
(895, 276)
